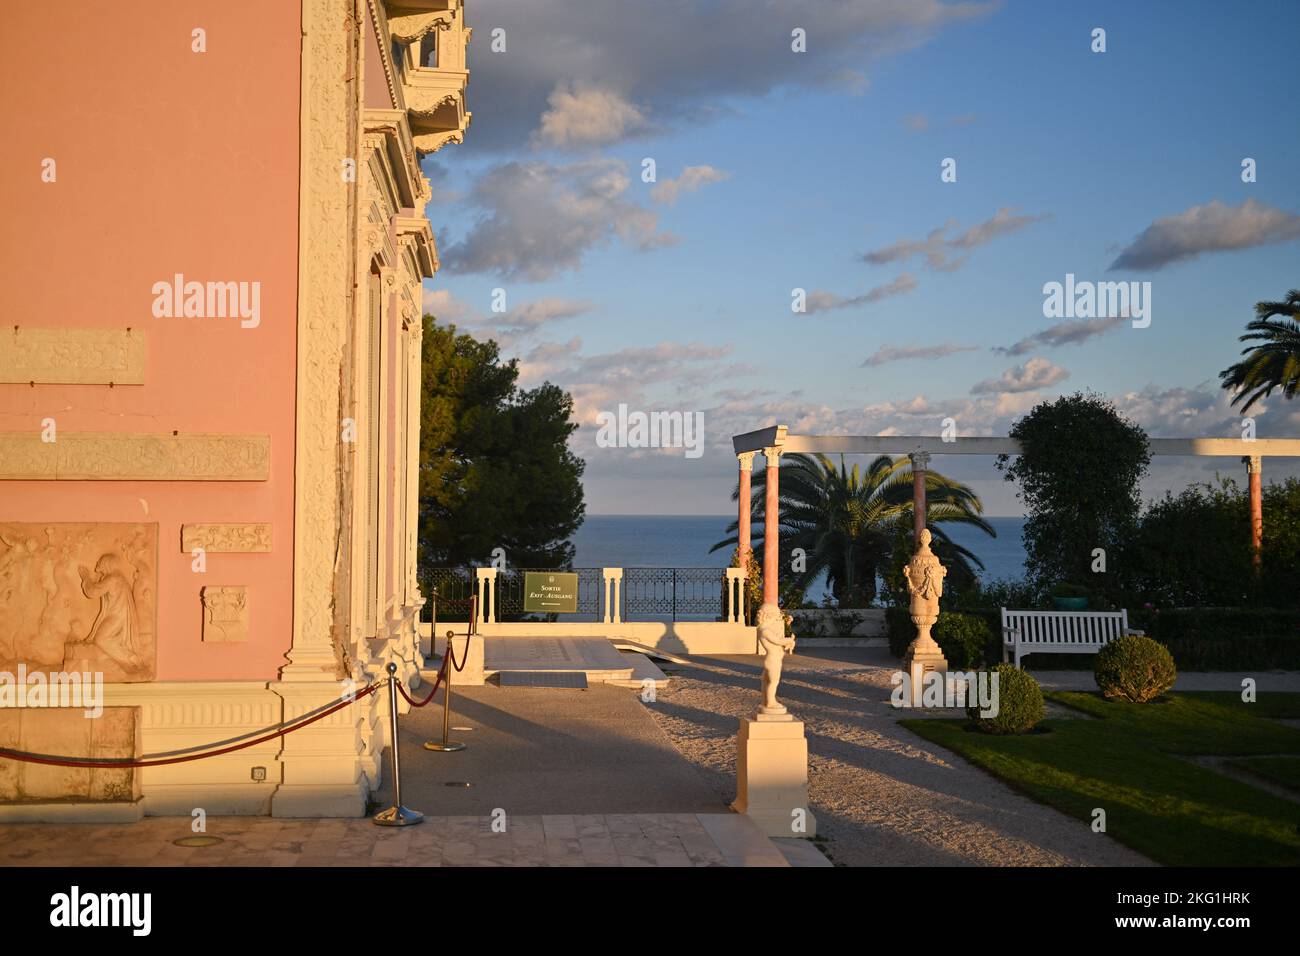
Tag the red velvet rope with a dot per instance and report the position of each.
(437, 682)
(67, 762)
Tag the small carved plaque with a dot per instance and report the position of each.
(225, 614)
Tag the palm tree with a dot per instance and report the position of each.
(850, 522)
(1275, 363)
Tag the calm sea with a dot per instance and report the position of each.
(683, 541)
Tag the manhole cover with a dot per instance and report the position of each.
(198, 841)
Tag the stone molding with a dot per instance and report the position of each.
(72, 356)
(122, 456)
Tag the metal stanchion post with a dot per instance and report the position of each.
(447, 745)
(396, 815)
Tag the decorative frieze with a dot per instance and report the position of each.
(124, 456)
(235, 538)
(72, 356)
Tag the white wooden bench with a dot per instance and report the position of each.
(1060, 632)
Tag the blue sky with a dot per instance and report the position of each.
(805, 162)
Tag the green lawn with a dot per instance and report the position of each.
(1281, 770)
(1128, 762)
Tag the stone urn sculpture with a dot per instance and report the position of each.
(925, 577)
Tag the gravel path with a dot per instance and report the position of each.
(882, 795)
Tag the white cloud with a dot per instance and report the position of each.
(888, 353)
(580, 116)
(1036, 374)
(1213, 227)
(675, 65)
(821, 301)
(538, 219)
(692, 178)
(946, 254)
(1069, 332)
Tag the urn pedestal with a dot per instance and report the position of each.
(924, 576)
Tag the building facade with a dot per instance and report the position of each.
(209, 419)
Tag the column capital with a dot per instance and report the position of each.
(746, 459)
(1254, 464)
(773, 456)
(920, 460)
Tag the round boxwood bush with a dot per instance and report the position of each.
(1020, 703)
(1135, 668)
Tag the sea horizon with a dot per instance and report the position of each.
(683, 541)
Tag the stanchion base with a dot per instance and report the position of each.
(450, 746)
(397, 817)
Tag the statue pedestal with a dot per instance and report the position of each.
(918, 660)
(772, 775)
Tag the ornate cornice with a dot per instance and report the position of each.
(416, 232)
(408, 25)
(394, 129)
(379, 23)
(428, 143)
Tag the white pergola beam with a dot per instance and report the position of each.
(777, 437)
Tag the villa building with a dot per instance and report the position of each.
(209, 427)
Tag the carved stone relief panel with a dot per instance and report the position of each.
(79, 596)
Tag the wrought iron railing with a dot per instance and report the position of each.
(677, 594)
(447, 593)
(645, 594)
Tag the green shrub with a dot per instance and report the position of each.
(967, 639)
(1135, 668)
(963, 638)
(1020, 703)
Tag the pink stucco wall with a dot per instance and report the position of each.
(168, 161)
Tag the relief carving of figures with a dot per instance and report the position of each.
(79, 596)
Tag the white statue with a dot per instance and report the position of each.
(771, 634)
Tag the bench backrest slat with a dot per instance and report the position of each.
(1073, 628)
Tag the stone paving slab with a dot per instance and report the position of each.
(583, 840)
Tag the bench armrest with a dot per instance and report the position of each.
(1134, 632)
(1010, 630)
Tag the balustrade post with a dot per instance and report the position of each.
(612, 582)
(735, 609)
(485, 580)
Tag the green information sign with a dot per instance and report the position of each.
(551, 592)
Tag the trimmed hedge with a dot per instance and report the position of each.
(1200, 639)
(1134, 668)
(1020, 703)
